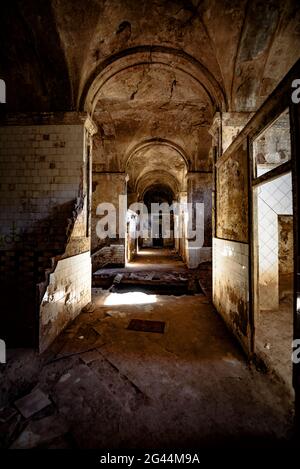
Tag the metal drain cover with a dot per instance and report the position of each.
(141, 325)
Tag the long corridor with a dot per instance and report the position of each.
(149, 225)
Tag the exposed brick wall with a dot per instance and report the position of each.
(108, 255)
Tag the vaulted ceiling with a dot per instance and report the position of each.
(51, 49)
(146, 70)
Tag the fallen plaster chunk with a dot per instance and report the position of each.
(149, 276)
(40, 431)
(64, 377)
(117, 279)
(32, 403)
(115, 314)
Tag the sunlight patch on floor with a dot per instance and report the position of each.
(129, 298)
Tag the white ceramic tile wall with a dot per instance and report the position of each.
(273, 198)
(40, 168)
(230, 277)
(69, 290)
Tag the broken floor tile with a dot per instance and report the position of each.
(84, 342)
(32, 403)
(60, 442)
(40, 431)
(89, 357)
(9, 430)
(116, 314)
(64, 377)
(90, 408)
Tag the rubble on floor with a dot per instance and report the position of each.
(113, 387)
(32, 403)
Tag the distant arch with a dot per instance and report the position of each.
(157, 141)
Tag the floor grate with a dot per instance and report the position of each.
(142, 325)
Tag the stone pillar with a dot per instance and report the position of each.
(225, 128)
(216, 133)
(232, 124)
(180, 241)
(107, 188)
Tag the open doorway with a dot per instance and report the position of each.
(273, 225)
(150, 237)
(156, 199)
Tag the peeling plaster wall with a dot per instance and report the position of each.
(286, 256)
(246, 46)
(232, 124)
(232, 196)
(42, 193)
(231, 286)
(230, 254)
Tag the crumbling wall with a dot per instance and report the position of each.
(232, 124)
(69, 290)
(113, 254)
(42, 174)
(231, 286)
(232, 196)
(230, 246)
(286, 256)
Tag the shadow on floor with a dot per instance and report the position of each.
(111, 387)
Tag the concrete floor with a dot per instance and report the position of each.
(111, 387)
